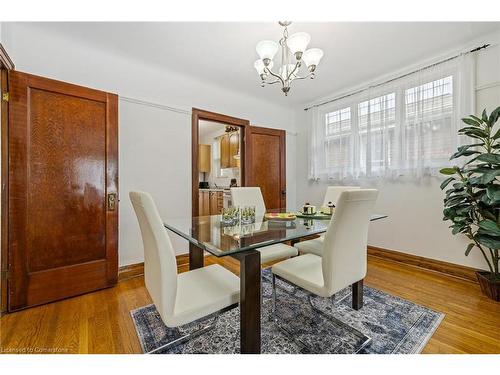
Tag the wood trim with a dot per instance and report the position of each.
(4, 264)
(450, 269)
(130, 271)
(137, 269)
(5, 60)
(196, 116)
(112, 173)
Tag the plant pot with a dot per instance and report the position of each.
(491, 288)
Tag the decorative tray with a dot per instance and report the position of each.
(280, 216)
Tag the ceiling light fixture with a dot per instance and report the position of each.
(292, 47)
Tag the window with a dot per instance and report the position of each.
(409, 127)
(376, 124)
(338, 139)
(428, 116)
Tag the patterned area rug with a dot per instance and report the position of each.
(394, 324)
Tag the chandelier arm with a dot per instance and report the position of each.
(297, 65)
(304, 77)
(272, 83)
(276, 76)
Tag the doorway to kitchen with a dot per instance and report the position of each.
(218, 160)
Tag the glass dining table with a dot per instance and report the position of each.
(241, 241)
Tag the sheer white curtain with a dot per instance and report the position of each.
(406, 127)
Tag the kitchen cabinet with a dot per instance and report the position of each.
(204, 158)
(229, 148)
(204, 202)
(234, 147)
(216, 202)
(210, 202)
(224, 152)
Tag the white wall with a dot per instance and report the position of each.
(415, 223)
(155, 150)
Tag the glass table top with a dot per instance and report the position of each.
(211, 234)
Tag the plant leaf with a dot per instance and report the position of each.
(448, 171)
(494, 116)
(497, 134)
(490, 226)
(469, 248)
(488, 177)
(476, 118)
(488, 241)
(489, 158)
(446, 182)
(471, 121)
(493, 193)
(484, 116)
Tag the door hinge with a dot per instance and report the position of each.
(5, 96)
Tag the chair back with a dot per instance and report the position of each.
(344, 253)
(333, 193)
(249, 196)
(160, 266)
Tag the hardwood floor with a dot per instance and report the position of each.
(100, 322)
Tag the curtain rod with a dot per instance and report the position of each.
(399, 77)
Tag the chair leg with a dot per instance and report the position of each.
(305, 348)
(196, 333)
(273, 317)
(357, 295)
(366, 339)
(186, 338)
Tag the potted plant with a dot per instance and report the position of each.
(472, 201)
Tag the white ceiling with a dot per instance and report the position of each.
(223, 53)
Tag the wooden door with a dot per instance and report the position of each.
(234, 146)
(265, 164)
(224, 152)
(63, 186)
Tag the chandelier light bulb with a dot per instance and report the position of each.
(297, 43)
(266, 49)
(312, 57)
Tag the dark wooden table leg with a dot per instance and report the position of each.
(250, 301)
(357, 295)
(196, 257)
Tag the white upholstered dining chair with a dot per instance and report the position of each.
(183, 298)
(344, 260)
(315, 246)
(333, 193)
(252, 196)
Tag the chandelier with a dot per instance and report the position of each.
(293, 55)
